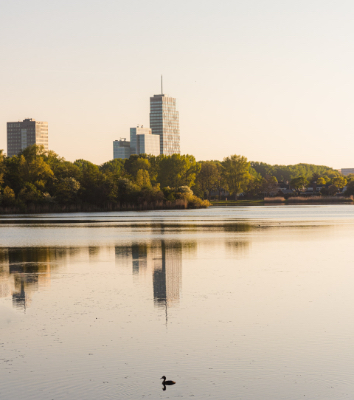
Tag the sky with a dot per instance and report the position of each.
(271, 80)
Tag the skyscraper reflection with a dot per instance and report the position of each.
(167, 276)
(163, 259)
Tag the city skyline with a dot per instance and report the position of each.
(161, 138)
(272, 83)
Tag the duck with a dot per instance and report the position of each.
(164, 382)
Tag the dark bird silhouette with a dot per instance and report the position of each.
(164, 382)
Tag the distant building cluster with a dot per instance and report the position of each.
(162, 137)
(26, 133)
(346, 171)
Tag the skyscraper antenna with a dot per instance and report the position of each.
(161, 85)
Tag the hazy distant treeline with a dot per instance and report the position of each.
(37, 178)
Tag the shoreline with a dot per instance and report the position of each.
(277, 201)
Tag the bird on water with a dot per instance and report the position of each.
(164, 382)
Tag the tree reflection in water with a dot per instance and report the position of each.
(25, 270)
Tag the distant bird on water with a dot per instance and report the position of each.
(164, 382)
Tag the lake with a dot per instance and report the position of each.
(231, 303)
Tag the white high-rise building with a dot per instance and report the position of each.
(164, 121)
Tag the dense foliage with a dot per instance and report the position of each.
(38, 177)
(42, 177)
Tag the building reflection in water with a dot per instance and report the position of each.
(167, 277)
(26, 270)
(23, 271)
(163, 259)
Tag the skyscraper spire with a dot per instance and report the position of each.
(161, 85)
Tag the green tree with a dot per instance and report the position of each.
(177, 170)
(143, 179)
(350, 177)
(269, 184)
(95, 187)
(299, 183)
(321, 181)
(114, 167)
(207, 178)
(2, 167)
(30, 194)
(350, 189)
(339, 181)
(236, 173)
(67, 190)
(326, 178)
(136, 162)
(8, 197)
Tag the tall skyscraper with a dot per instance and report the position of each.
(26, 133)
(164, 121)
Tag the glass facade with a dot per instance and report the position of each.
(121, 149)
(164, 121)
(26, 133)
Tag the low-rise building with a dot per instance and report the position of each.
(121, 148)
(142, 141)
(347, 171)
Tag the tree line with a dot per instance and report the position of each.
(256, 179)
(40, 177)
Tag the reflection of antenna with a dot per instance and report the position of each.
(161, 85)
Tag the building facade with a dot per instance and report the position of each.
(121, 149)
(141, 142)
(347, 171)
(164, 121)
(26, 133)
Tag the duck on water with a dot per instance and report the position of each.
(164, 382)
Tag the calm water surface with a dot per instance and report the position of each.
(232, 303)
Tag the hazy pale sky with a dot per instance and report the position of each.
(271, 80)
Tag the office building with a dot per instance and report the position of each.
(26, 133)
(141, 142)
(164, 121)
(121, 149)
(347, 171)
